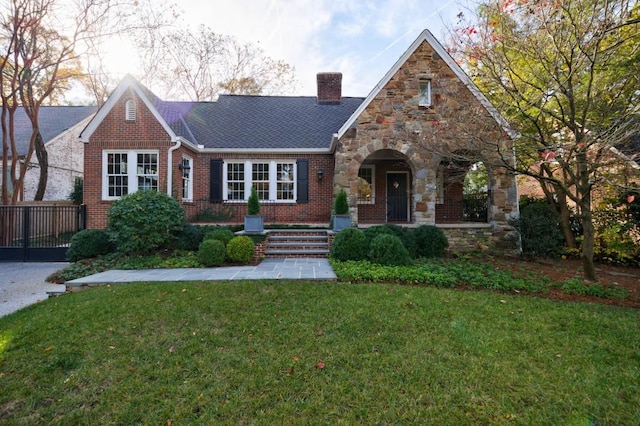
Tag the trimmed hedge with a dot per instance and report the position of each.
(430, 241)
(387, 249)
(222, 234)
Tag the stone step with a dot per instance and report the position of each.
(297, 244)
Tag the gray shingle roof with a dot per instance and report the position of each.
(53, 120)
(258, 122)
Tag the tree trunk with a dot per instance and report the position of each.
(565, 220)
(43, 160)
(586, 254)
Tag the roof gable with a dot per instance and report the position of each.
(52, 121)
(151, 101)
(427, 37)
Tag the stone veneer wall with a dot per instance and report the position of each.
(424, 135)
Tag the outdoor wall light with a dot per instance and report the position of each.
(184, 166)
(320, 174)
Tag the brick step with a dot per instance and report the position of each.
(297, 243)
(296, 253)
(300, 244)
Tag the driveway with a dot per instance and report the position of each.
(23, 284)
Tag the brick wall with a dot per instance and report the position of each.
(116, 133)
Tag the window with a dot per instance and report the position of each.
(366, 182)
(260, 179)
(273, 180)
(130, 110)
(235, 182)
(187, 182)
(125, 172)
(425, 93)
(284, 181)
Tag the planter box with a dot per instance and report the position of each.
(253, 224)
(341, 222)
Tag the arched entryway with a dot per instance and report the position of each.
(385, 182)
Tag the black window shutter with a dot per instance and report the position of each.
(303, 181)
(215, 181)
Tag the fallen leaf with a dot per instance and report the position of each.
(503, 301)
(320, 365)
(172, 348)
(47, 349)
(320, 332)
(296, 359)
(184, 290)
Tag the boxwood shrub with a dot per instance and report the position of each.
(223, 234)
(211, 252)
(349, 244)
(240, 249)
(430, 241)
(387, 249)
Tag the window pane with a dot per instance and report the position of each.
(235, 181)
(365, 184)
(117, 182)
(425, 93)
(260, 179)
(147, 171)
(285, 181)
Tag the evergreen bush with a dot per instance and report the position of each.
(223, 234)
(387, 249)
(190, 237)
(211, 253)
(539, 229)
(89, 243)
(240, 249)
(349, 244)
(253, 204)
(144, 221)
(430, 241)
(341, 205)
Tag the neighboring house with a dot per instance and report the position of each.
(300, 151)
(60, 127)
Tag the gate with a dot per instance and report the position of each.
(38, 233)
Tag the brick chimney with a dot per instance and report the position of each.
(329, 88)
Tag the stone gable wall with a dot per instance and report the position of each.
(424, 135)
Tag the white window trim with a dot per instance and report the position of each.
(273, 179)
(373, 184)
(132, 170)
(190, 179)
(421, 99)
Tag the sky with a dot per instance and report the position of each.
(362, 39)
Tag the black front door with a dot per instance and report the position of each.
(397, 197)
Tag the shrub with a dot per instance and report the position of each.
(89, 243)
(430, 241)
(144, 221)
(406, 236)
(341, 205)
(222, 234)
(349, 244)
(539, 229)
(253, 204)
(190, 237)
(211, 252)
(387, 249)
(240, 249)
(76, 194)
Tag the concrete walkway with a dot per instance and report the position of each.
(269, 269)
(23, 284)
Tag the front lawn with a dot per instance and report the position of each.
(310, 353)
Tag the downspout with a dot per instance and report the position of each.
(169, 166)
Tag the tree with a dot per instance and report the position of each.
(202, 64)
(564, 73)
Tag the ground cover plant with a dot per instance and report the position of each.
(321, 353)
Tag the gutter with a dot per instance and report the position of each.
(169, 165)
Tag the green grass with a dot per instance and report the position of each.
(248, 352)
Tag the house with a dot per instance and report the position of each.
(300, 151)
(60, 127)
